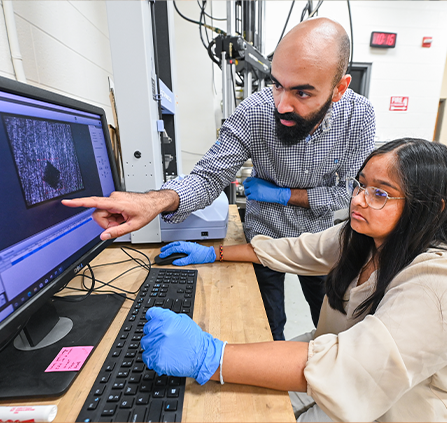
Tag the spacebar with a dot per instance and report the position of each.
(155, 410)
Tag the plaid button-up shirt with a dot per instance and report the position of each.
(320, 163)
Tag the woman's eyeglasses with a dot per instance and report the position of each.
(376, 198)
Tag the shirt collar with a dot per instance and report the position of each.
(324, 126)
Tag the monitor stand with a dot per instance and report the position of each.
(22, 372)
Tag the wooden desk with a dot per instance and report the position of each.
(228, 305)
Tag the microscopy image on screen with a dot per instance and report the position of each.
(45, 158)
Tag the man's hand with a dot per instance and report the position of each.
(125, 212)
(267, 192)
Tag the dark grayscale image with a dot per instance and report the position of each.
(45, 158)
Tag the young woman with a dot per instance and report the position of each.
(380, 349)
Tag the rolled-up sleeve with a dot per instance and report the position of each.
(308, 254)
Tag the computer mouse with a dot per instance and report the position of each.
(169, 259)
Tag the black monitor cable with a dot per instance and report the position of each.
(87, 294)
(122, 292)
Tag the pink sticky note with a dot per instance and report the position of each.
(69, 359)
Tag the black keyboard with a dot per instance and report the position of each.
(125, 389)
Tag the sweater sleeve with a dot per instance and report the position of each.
(309, 254)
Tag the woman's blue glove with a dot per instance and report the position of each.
(197, 254)
(267, 192)
(174, 345)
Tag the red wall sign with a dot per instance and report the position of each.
(399, 104)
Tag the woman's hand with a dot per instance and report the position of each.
(175, 345)
(197, 254)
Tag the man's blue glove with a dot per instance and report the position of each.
(174, 345)
(197, 254)
(267, 192)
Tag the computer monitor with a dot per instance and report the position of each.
(51, 147)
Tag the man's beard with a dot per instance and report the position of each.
(292, 135)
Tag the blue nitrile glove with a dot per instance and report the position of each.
(197, 254)
(267, 192)
(174, 345)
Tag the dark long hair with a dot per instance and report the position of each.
(421, 168)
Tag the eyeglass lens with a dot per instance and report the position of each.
(375, 197)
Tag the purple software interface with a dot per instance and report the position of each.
(47, 153)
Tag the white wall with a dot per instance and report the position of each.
(64, 46)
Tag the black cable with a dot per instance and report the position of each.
(315, 12)
(204, 21)
(148, 267)
(216, 30)
(200, 28)
(140, 264)
(211, 17)
(211, 54)
(352, 37)
(287, 21)
(89, 290)
(234, 87)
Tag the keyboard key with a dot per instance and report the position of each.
(159, 393)
(98, 391)
(138, 368)
(122, 416)
(109, 411)
(149, 375)
(142, 399)
(127, 403)
(110, 367)
(134, 379)
(130, 390)
(105, 379)
(93, 404)
(161, 381)
(146, 387)
(155, 411)
(173, 392)
(118, 385)
(114, 397)
(171, 405)
(138, 414)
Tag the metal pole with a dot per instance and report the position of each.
(247, 83)
(225, 99)
(229, 71)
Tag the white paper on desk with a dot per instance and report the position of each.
(28, 413)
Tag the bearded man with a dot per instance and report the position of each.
(305, 135)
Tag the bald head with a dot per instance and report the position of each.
(323, 40)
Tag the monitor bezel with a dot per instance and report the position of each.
(15, 322)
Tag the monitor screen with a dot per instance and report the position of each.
(51, 147)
